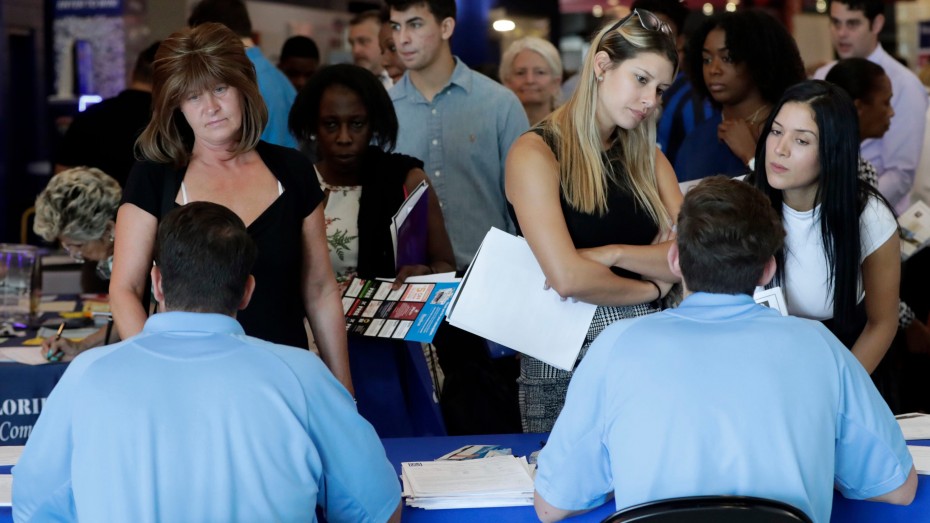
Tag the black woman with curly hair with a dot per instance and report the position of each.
(743, 62)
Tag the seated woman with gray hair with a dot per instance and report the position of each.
(78, 209)
(532, 68)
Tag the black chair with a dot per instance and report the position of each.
(710, 509)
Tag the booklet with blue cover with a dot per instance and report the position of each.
(413, 312)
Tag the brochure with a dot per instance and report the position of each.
(409, 229)
(914, 229)
(413, 312)
(772, 298)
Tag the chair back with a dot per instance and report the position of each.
(710, 509)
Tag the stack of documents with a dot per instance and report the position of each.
(914, 425)
(499, 481)
(921, 457)
(8, 456)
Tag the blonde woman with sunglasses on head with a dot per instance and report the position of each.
(595, 198)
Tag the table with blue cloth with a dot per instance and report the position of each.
(419, 449)
(422, 449)
(23, 391)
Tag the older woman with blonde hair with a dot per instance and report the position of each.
(532, 68)
(594, 196)
(78, 208)
(203, 144)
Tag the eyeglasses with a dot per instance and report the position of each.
(647, 20)
(75, 250)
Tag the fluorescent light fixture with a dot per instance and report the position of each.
(86, 100)
(503, 26)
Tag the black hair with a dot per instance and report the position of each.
(756, 39)
(675, 10)
(727, 233)
(304, 117)
(205, 256)
(142, 72)
(231, 13)
(841, 195)
(299, 47)
(857, 76)
(441, 9)
(869, 8)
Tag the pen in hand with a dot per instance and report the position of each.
(59, 353)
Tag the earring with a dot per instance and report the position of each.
(112, 238)
(600, 78)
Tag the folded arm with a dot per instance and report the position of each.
(532, 183)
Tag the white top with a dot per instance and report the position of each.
(341, 215)
(807, 289)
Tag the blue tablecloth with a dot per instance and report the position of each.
(419, 449)
(23, 390)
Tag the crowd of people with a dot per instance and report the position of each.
(253, 194)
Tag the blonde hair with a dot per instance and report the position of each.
(77, 203)
(193, 60)
(583, 175)
(543, 48)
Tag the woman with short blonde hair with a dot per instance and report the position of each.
(532, 68)
(78, 208)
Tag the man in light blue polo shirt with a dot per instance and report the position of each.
(192, 420)
(459, 122)
(721, 395)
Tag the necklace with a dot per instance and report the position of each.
(754, 118)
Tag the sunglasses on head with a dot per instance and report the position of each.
(648, 20)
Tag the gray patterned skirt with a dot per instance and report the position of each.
(543, 387)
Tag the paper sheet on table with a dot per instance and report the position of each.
(502, 299)
(27, 355)
(921, 457)
(914, 425)
(9, 454)
(6, 490)
(499, 475)
(57, 306)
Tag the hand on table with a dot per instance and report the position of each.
(57, 349)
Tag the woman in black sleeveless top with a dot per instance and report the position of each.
(594, 197)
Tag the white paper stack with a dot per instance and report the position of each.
(914, 425)
(499, 481)
(921, 457)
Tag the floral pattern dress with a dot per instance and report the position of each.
(341, 217)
